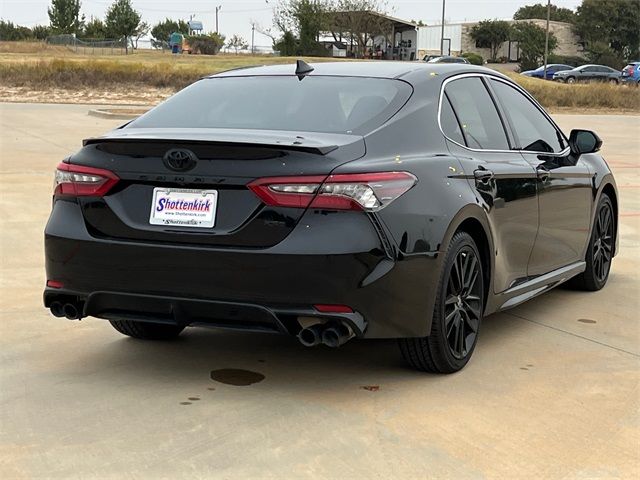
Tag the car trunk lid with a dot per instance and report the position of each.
(224, 161)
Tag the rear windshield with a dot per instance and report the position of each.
(315, 104)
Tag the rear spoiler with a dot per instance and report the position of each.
(310, 142)
(295, 146)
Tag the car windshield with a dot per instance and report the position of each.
(314, 104)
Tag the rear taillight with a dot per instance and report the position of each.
(351, 191)
(78, 180)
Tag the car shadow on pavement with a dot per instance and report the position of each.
(285, 363)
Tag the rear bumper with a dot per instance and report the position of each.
(629, 79)
(328, 259)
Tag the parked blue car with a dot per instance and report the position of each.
(551, 69)
(631, 73)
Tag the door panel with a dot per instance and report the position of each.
(509, 198)
(504, 182)
(563, 186)
(565, 202)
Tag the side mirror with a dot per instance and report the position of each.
(584, 141)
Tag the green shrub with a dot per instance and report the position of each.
(571, 60)
(473, 58)
(206, 44)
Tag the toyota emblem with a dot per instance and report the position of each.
(180, 159)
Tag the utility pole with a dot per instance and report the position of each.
(218, 8)
(253, 34)
(546, 40)
(442, 29)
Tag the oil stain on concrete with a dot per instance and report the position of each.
(236, 377)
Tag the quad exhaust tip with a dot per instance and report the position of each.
(68, 310)
(332, 335)
(57, 309)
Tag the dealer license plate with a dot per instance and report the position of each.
(183, 208)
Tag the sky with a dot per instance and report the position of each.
(236, 16)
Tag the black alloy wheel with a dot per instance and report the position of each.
(457, 313)
(600, 250)
(463, 302)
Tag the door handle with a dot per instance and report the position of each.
(543, 173)
(483, 176)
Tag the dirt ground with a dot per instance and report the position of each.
(118, 96)
(553, 389)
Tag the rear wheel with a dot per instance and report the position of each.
(600, 249)
(147, 330)
(457, 313)
(613, 81)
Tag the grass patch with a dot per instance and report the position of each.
(589, 96)
(160, 71)
(40, 67)
(73, 74)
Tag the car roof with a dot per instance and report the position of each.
(410, 71)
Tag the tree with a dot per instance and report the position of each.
(64, 16)
(491, 34)
(12, 32)
(141, 31)
(531, 41)
(603, 54)
(41, 32)
(122, 21)
(539, 11)
(359, 21)
(305, 19)
(610, 22)
(237, 43)
(161, 32)
(95, 29)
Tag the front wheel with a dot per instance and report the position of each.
(147, 330)
(571, 80)
(600, 249)
(457, 313)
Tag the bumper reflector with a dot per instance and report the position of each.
(324, 308)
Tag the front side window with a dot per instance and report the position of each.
(315, 104)
(533, 130)
(481, 124)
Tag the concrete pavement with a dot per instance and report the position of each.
(553, 389)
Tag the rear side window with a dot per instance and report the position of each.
(449, 122)
(534, 132)
(481, 125)
(315, 104)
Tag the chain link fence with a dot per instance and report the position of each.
(89, 47)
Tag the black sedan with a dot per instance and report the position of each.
(588, 73)
(341, 200)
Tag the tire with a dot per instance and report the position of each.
(613, 81)
(147, 330)
(570, 80)
(457, 313)
(600, 250)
